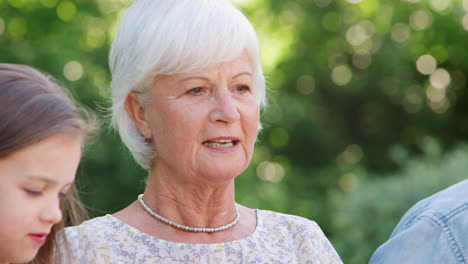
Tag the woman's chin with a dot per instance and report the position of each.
(220, 174)
(222, 169)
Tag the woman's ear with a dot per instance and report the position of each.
(137, 111)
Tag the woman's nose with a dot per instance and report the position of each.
(51, 212)
(225, 109)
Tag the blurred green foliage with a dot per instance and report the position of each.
(364, 217)
(358, 91)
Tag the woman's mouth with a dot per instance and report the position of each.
(222, 144)
(39, 238)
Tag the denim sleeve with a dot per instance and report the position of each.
(425, 241)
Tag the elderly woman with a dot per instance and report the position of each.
(187, 90)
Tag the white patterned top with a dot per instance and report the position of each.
(278, 238)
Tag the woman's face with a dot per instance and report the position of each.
(33, 180)
(204, 124)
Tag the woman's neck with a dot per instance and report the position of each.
(191, 204)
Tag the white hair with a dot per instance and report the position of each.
(162, 37)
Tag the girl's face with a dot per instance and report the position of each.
(33, 180)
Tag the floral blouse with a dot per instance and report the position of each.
(278, 238)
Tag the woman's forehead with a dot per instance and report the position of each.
(238, 67)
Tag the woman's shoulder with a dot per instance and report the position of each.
(269, 218)
(92, 240)
(291, 227)
(93, 226)
(97, 231)
(301, 234)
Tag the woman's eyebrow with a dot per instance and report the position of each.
(242, 73)
(194, 77)
(203, 78)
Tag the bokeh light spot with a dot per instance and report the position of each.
(17, 27)
(354, 1)
(439, 5)
(465, 22)
(361, 60)
(426, 64)
(348, 182)
(420, 20)
(369, 7)
(341, 75)
(351, 155)
(465, 5)
(270, 171)
(66, 11)
(435, 95)
(358, 34)
(437, 99)
(49, 3)
(305, 84)
(322, 3)
(73, 70)
(440, 107)
(400, 32)
(440, 79)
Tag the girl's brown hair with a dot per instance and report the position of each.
(34, 107)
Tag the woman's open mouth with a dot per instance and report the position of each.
(222, 144)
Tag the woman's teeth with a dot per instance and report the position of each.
(221, 143)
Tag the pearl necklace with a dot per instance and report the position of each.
(187, 228)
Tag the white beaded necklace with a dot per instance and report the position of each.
(187, 228)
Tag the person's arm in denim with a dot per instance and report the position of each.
(435, 230)
(426, 241)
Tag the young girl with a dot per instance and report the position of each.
(41, 138)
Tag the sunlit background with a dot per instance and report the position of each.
(368, 105)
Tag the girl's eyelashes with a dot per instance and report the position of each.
(33, 192)
(36, 193)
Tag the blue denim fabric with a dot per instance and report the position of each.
(435, 230)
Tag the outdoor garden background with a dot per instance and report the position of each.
(368, 105)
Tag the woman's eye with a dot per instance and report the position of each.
(195, 91)
(242, 88)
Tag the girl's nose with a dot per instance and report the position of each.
(51, 212)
